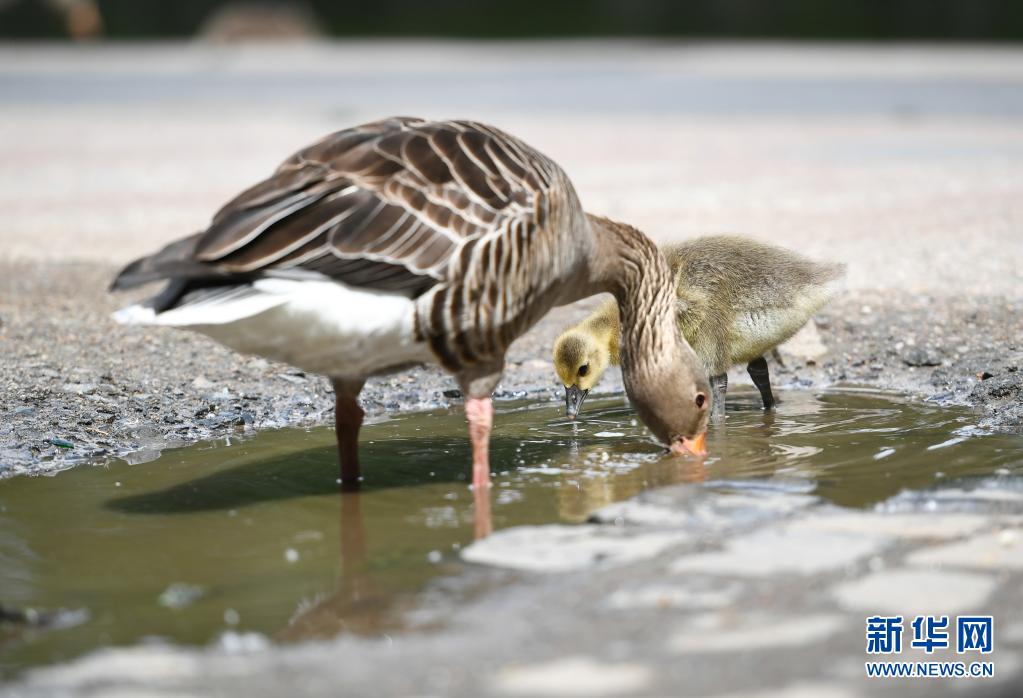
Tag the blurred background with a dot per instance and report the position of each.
(1000, 20)
(884, 133)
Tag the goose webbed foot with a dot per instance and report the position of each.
(758, 371)
(347, 422)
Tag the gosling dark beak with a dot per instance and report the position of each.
(574, 400)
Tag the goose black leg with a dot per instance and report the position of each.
(757, 370)
(347, 422)
(718, 388)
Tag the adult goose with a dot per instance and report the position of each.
(406, 241)
(738, 299)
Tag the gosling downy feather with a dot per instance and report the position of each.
(406, 241)
(737, 299)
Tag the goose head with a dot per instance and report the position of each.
(580, 359)
(671, 394)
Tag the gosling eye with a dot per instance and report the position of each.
(701, 400)
(584, 369)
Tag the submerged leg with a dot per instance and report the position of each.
(477, 385)
(757, 370)
(718, 388)
(483, 522)
(347, 421)
(480, 413)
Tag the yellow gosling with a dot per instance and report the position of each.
(737, 300)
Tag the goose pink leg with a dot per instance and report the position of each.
(480, 413)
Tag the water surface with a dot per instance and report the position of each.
(215, 541)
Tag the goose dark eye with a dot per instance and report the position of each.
(701, 400)
(584, 369)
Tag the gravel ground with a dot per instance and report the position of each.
(904, 163)
(77, 386)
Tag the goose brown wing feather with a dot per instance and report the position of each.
(398, 196)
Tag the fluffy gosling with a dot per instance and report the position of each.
(737, 300)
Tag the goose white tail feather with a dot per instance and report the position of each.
(134, 315)
(320, 326)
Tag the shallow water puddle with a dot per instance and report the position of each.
(253, 537)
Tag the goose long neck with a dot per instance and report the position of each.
(604, 325)
(631, 268)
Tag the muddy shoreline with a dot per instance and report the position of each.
(79, 388)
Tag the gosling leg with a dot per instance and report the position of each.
(347, 422)
(718, 388)
(757, 370)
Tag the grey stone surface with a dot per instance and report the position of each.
(920, 525)
(994, 552)
(1013, 633)
(688, 593)
(138, 665)
(573, 676)
(700, 510)
(803, 690)
(559, 548)
(916, 592)
(732, 632)
(783, 550)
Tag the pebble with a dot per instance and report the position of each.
(921, 357)
(179, 595)
(79, 388)
(243, 643)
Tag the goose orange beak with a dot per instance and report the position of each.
(696, 446)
